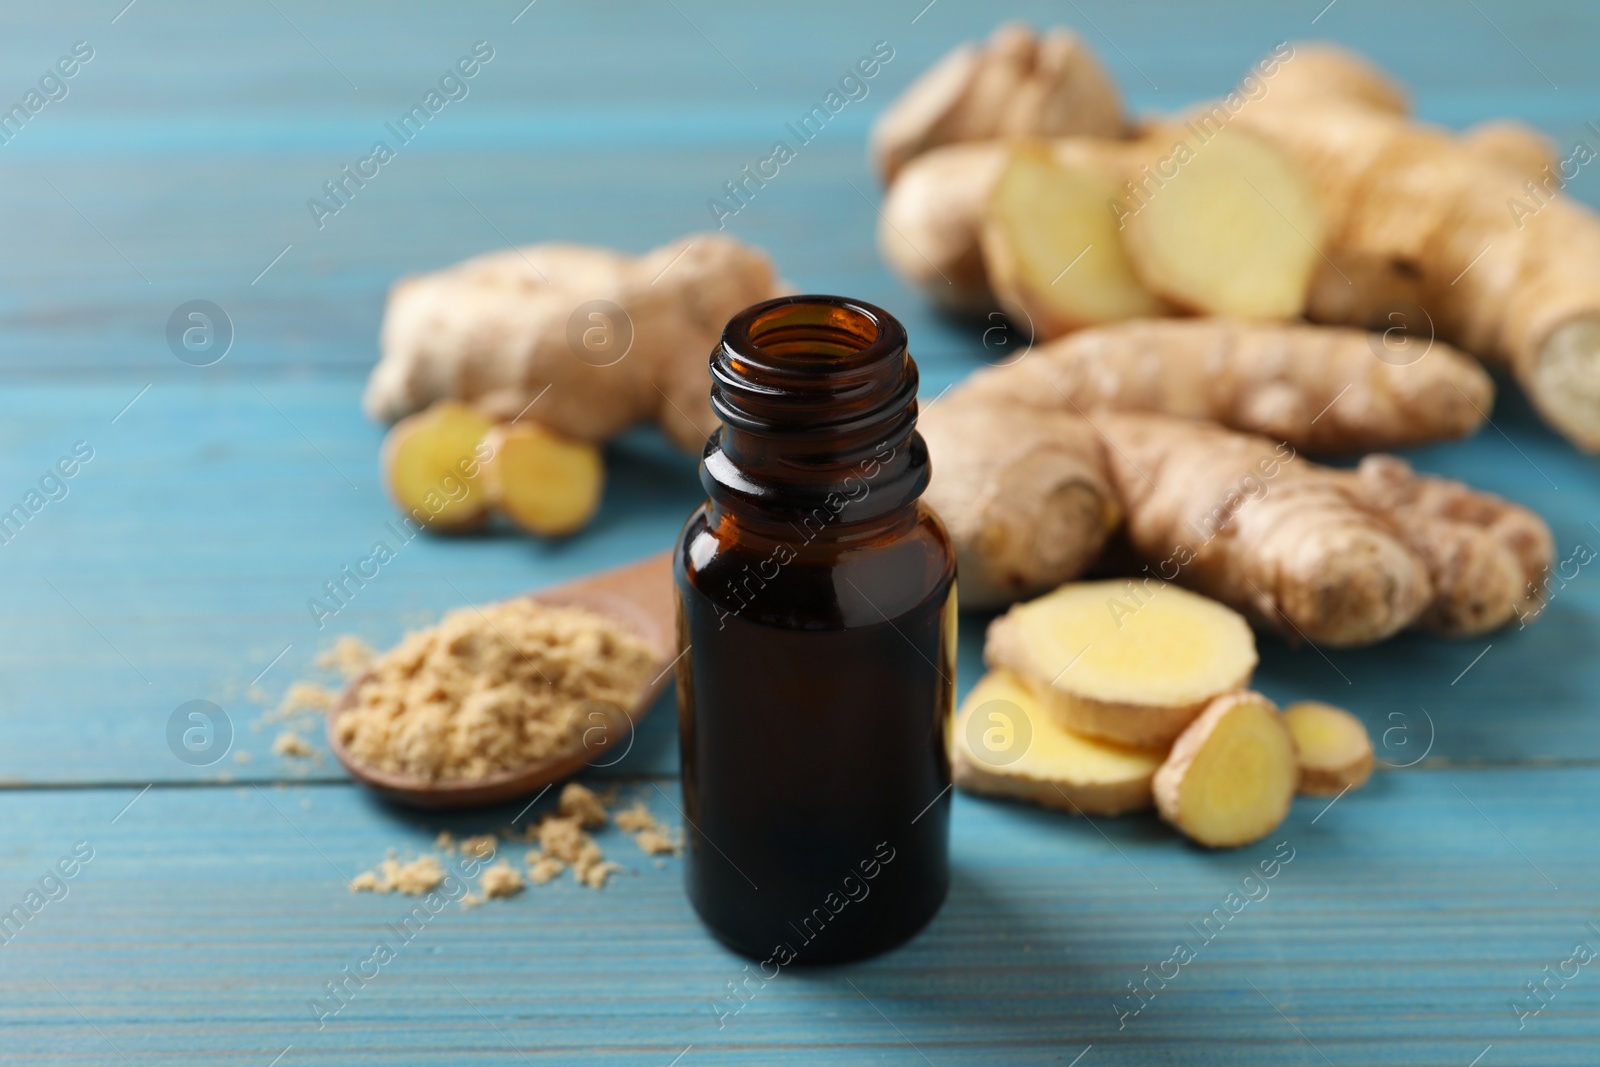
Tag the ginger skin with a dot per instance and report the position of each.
(1414, 214)
(599, 340)
(1487, 558)
(1468, 238)
(932, 218)
(1318, 388)
(1017, 83)
(1247, 521)
(1520, 148)
(1031, 495)
(1024, 494)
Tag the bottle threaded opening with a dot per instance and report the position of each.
(807, 362)
(811, 331)
(818, 401)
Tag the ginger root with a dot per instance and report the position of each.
(1231, 776)
(1247, 521)
(1318, 388)
(600, 340)
(1518, 147)
(1124, 664)
(1076, 231)
(1018, 83)
(1486, 557)
(1317, 70)
(544, 483)
(1024, 494)
(1507, 271)
(433, 467)
(1331, 746)
(1031, 495)
(1005, 744)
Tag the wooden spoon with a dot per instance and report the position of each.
(639, 596)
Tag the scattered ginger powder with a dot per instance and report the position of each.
(493, 689)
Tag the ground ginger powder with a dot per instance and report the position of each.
(494, 689)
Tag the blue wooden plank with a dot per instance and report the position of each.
(201, 190)
(1399, 932)
(181, 562)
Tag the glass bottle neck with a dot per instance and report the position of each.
(817, 397)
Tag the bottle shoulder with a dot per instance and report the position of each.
(806, 582)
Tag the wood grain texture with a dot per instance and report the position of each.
(1398, 933)
(179, 565)
(186, 551)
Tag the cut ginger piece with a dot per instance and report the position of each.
(545, 483)
(1226, 226)
(1124, 662)
(1334, 750)
(1005, 744)
(1231, 776)
(1050, 242)
(433, 469)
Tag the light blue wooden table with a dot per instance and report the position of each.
(178, 563)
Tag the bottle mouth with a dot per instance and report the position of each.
(809, 361)
(805, 329)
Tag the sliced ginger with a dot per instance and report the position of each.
(545, 483)
(1232, 231)
(1231, 776)
(1334, 750)
(1006, 744)
(432, 466)
(1125, 662)
(1050, 241)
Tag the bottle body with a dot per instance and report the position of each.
(818, 671)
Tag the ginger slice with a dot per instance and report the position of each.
(432, 467)
(1231, 776)
(1125, 662)
(1050, 241)
(1225, 225)
(1005, 744)
(547, 484)
(1564, 380)
(1332, 745)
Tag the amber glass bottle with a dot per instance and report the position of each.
(817, 610)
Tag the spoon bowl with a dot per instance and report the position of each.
(637, 596)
